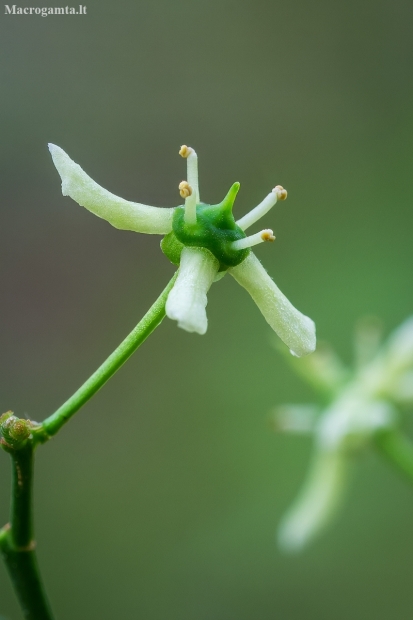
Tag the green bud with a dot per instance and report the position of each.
(13, 431)
(20, 430)
(215, 230)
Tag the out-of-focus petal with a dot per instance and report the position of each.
(368, 334)
(298, 419)
(399, 352)
(383, 376)
(294, 328)
(353, 419)
(188, 299)
(317, 502)
(117, 211)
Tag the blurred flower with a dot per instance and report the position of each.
(362, 410)
(205, 241)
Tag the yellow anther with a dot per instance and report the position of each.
(280, 191)
(185, 189)
(185, 151)
(267, 235)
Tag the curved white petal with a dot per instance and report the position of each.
(188, 299)
(294, 328)
(317, 501)
(118, 212)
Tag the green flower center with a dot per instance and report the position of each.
(215, 230)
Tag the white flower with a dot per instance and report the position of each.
(361, 413)
(205, 241)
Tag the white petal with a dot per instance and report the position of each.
(353, 419)
(384, 373)
(400, 347)
(299, 419)
(403, 391)
(317, 501)
(188, 299)
(118, 212)
(294, 328)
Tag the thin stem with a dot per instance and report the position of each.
(21, 518)
(398, 449)
(24, 573)
(144, 328)
(16, 540)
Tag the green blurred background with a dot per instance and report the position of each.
(161, 498)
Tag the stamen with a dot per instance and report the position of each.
(248, 242)
(188, 153)
(278, 193)
(281, 192)
(267, 235)
(185, 189)
(185, 151)
(186, 192)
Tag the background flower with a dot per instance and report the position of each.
(361, 412)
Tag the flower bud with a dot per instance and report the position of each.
(13, 431)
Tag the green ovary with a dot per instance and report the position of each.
(215, 230)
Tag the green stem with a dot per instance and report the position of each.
(398, 449)
(144, 328)
(21, 518)
(16, 540)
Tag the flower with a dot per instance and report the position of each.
(362, 411)
(204, 240)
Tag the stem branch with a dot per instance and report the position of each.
(16, 539)
(144, 328)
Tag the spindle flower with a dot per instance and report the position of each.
(205, 241)
(362, 409)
